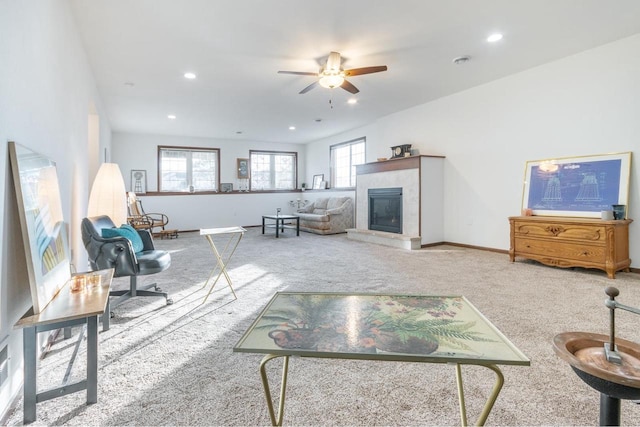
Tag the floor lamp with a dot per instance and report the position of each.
(108, 194)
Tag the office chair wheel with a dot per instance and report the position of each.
(157, 288)
(169, 301)
(112, 315)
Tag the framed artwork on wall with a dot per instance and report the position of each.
(44, 232)
(243, 168)
(581, 186)
(139, 181)
(317, 181)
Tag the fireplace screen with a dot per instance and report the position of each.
(385, 209)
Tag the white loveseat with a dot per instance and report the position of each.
(327, 215)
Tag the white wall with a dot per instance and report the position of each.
(47, 91)
(195, 211)
(581, 105)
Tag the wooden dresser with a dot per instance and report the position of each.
(572, 242)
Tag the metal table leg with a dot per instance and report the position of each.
(491, 400)
(276, 419)
(92, 359)
(29, 343)
(220, 262)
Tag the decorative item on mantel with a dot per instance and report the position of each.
(298, 204)
(398, 151)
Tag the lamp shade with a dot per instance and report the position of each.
(108, 194)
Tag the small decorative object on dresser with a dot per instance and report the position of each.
(572, 242)
(226, 187)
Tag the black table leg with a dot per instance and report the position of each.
(262, 225)
(609, 410)
(298, 226)
(277, 227)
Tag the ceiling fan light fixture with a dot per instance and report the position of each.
(331, 80)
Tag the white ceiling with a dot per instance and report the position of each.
(236, 48)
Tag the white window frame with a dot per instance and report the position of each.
(190, 187)
(254, 173)
(352, 164)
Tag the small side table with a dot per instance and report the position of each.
(66, 309)
(232, 236)
(280, 226)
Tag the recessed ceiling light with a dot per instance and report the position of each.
(292, 128)
(189, 76)
(352, 101)
(129, 84)
(494, 37)
(171, 116)
(318, 120)
(239, 132)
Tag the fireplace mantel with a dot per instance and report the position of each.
(411, 162)
(421, 180)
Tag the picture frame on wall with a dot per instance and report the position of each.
(139, 181)
(317, 181)
(582, 186)
(243, 168)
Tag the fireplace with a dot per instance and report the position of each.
(385, 209)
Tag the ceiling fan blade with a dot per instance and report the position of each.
(349, 87)
(299, 73)
(308, 88)
(365, 70)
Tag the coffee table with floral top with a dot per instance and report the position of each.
(407, 328)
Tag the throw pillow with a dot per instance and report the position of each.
(125, 231)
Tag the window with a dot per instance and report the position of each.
(273, 170)
(344, 158)
(188, 169)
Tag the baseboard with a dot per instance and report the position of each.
(462, 245)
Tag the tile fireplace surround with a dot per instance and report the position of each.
(421, 180)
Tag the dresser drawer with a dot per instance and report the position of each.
(556, 249)
(555, 231)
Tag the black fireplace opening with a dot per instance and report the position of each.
(385, 209)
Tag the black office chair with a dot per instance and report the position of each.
(118, 253)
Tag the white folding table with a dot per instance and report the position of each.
(230, 238)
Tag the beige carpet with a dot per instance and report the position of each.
(174, 365)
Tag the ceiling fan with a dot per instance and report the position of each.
(332, 75)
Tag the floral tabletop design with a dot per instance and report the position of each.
(373, 326)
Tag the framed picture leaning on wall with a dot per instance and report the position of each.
(581, 186)
(317, 181)
(44, 232)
